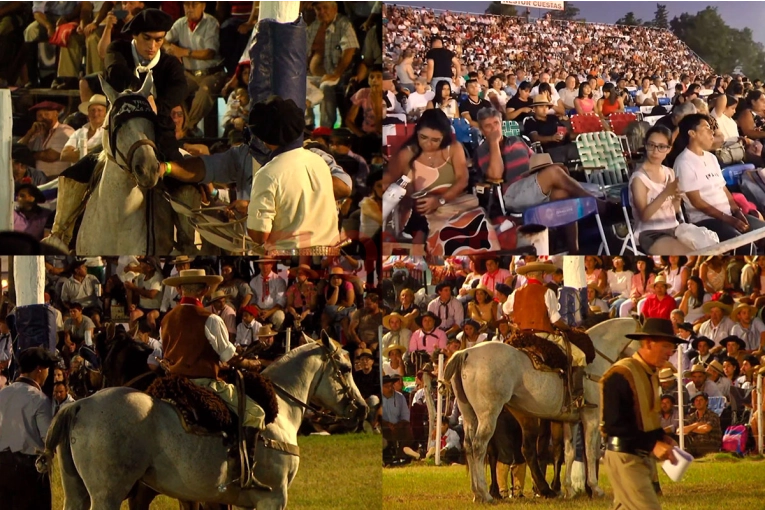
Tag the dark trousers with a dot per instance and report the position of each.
(21, 486)
(725, 231)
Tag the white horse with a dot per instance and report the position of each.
(491, 374)
(108, 442)
(124, 213)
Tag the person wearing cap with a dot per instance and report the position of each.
(195, 39)
(394, 364)
(535, 307)
(396, 427)
(448, 309)
(748, 326)
(700, 382)
(23, 166)
(331, 43)
(716, 374)
(170, 296)
(247, 330)
(719, 324)
(702, 430)
(147, 286)
(47, 137)
(28, 216)
(92, 131)
(195, 344)
(81, 288)
(659, 304)
(25, 416)
(631, 419)
(702, 345)
(397, 333)
(428, 337)
(127, 62)
(219, 306)
(269, 293)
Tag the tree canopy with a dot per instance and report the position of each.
(569, 12)
(629, 19)
(500, 9)
(660, 19)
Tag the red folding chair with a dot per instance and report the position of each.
(586, 123)
(620, 121)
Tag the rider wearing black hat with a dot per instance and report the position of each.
(25, 415)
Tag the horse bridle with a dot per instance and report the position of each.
(596, 378)
(125, 108)
(347, 392)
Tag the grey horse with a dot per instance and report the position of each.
(491, 374)
(110, 441)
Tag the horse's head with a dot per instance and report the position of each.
(336, 389)
(123, 359)
(129, 140)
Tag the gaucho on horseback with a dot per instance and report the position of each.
(534, 308)
(195, 344)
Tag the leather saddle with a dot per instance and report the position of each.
(544, 354)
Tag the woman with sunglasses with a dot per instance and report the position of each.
(654, 198)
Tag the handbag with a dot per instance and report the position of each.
(63, 33)
(731, 153)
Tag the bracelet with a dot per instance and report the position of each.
(168, 168)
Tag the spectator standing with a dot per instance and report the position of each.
(47, 137)
(439, 64)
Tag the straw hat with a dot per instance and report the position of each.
(98, 99)
(665, 375)
(266, 331)
(695, 369)
(594, 287)
(533, 267)
(394, 347)
(217, 296)
(182, 259)
(540, 100)
(724, 304)
(717, 367)
(482, 287)
(740, 306)
(538, 161)
(660, 279)
(191, 276)
(387, 318)
(305, 268)
(337, 271)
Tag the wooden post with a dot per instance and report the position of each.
(439, 407)
(6, 169)
(29, 280)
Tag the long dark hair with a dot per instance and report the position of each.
(611, 89)
(581, 90)
(523, 86)
(439, 87)
(430, 119)
(699, 296)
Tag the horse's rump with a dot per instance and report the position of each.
(543, 353)
(204, 412)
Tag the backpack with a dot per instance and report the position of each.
(735, 438)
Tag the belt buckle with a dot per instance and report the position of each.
(199, 73)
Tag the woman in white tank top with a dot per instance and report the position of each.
(654, 200)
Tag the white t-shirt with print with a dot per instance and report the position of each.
(702, 174)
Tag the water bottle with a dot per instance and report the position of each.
(393, 196)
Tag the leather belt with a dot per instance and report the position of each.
(624, 445)
(206, 72)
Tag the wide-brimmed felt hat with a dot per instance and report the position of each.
(537, 161)
(725, 303)
(75, 264)
(666, 374)
(716, 366)
(387, 379)
(482, 287)
(733, 338)
(656, 328)
(305, 268)
(430, 314)
(540, 100)
(191, 276)
(504, 289)
(148, 20)
(695, 369)
(387, 318)
(277, 121)
(696, 341)
(266, 331)
(33, 190)
(35, 357)
(471, 322)
(740, 306)
(394, 347)
(261, 260)
(23, 154)
(534, 267)
(365, 353)
(47, 105)
(98, 99)
(217, 296)
(686, 326)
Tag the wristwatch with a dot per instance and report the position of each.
(442, 201)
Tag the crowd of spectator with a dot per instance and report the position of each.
(467, 78)
(204, 56)
(258, 300)
(442, 305)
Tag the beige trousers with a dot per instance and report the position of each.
(577, 355)
(254, 416)
(634, 489)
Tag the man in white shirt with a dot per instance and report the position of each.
(81, 288)
(269, 291)
(716, 374)
(418, 100)
(144, 335)
(700, 382)
(545, 78)
(569, 93)
(719, 324)
(708, 202)
(148, 287)
(748, 327)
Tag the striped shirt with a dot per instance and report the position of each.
(515, 158)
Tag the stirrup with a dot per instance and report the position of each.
(253, 483)
(580, 403)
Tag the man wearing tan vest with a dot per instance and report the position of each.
(631, 420)
(535, 306)
(195, 343)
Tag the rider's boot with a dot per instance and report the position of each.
(577, 391)
(519, 479)
(251, 434)
(503, 470)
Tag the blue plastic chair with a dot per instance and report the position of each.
(630, 238)
(462, 131)
(732, 173)
(632, 109)
(664, 101)
(564, 212)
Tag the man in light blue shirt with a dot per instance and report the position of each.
(395, 420)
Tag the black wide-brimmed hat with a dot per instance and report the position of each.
(696, 341)
(657, 328)
(148, 20)
(430, 314)
(277, 121)
(733, 338)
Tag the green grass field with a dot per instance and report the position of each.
(336, 472)
(714, 483)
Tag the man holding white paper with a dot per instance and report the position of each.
(631, 417)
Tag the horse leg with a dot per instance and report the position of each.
(76, 495)
(568, 455)
(543, 448)
(556, 432)
(530, 428)
(483, 433)
(492, 461)
(590, 422)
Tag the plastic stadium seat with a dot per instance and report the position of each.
(602, 158)
(565, 212)
(665, 101)
(732, 173)
(632, 109)
(462, 130)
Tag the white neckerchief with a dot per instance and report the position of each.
(138, 59)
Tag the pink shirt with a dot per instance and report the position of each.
(490, 280)
(362, 99)
(420, 341)
(639, 286)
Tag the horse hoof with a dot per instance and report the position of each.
(549, 494)
(598, 492)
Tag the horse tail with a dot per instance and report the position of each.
(453, 373)
(58, 433)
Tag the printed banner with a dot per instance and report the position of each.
(538, 4)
